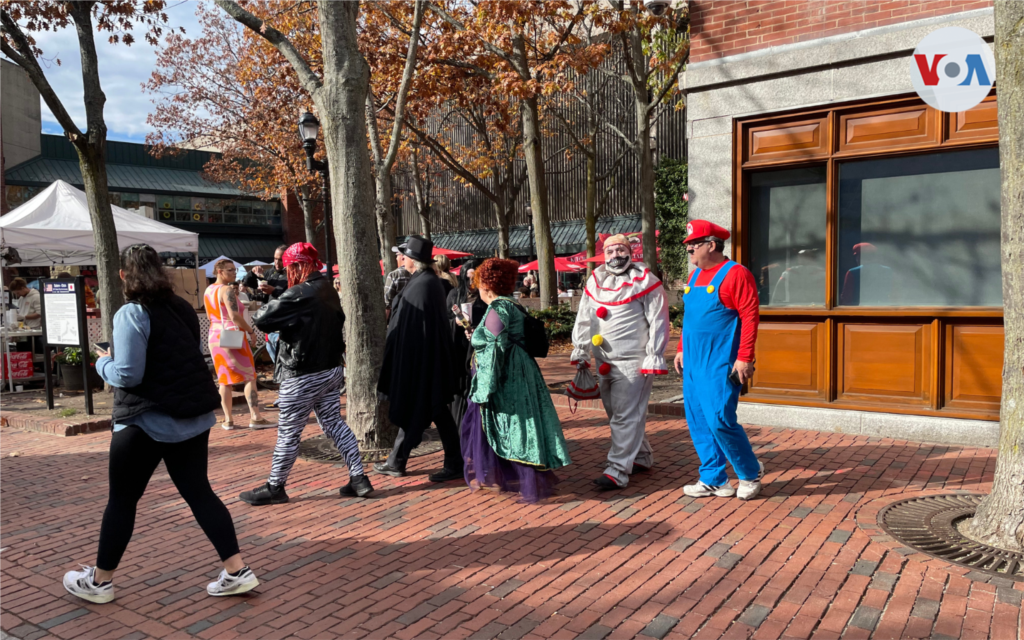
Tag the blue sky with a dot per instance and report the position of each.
(122, 72)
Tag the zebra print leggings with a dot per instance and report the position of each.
(321, 393)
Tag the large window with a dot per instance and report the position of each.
(920, 230)
(787, 236)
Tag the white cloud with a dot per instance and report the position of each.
(123, 70)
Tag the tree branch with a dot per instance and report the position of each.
(403, 89)
(444, 15)
(309, 80)
(672, 81)
(25, 59)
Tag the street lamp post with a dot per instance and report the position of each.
(309, 131)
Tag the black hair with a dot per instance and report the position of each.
(144, 277)
(465, 291)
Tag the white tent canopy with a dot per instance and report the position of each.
(55, 228)
(208, 267)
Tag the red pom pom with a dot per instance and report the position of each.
(602, 312)
(605, 368)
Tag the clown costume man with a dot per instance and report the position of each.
(623, 320)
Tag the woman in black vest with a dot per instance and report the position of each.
(164, 399)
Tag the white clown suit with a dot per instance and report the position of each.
(623, 320)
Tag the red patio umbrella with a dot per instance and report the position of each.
(561, 264)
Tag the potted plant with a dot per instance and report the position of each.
(69, 363)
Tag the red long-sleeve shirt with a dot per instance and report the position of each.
(738, 292)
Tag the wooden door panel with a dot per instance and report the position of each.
(895, 128)
(974, 367)
(885, 363)
(979, 123)
(790, 359)
(797, 140)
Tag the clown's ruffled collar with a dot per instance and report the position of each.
(607, 288)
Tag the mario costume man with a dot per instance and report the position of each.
(719, 332)
(623, 320)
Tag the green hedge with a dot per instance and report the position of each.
(559, 321)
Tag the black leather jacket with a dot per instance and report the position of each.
(274, 277)
(311, 325)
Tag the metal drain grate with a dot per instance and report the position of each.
(321, 449)
(929, 525)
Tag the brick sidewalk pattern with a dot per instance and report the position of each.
(423, 560)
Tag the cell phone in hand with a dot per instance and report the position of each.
(734, 378)
(101, 346)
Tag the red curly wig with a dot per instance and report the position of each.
(497, 275)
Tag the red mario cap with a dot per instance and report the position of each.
(699, 229)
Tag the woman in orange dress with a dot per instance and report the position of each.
(233, 366)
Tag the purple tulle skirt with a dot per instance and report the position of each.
(483, 467)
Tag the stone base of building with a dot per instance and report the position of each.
(978, 433)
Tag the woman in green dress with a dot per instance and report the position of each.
(511, 436)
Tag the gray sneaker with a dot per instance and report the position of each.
(83, 584)
(229, 585)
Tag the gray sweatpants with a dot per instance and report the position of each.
(625, 402)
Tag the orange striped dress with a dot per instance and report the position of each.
(233, 366)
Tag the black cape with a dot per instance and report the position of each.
(418, 374)
(462, 352)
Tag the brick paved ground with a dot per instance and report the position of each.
(431, 561)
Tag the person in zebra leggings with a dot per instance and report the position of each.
(309, 368)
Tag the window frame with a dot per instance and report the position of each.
(946, 134)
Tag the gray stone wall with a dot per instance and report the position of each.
(860, 65)
(19, 109)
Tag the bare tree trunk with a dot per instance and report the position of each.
(648, 217)
(420, 195)
(999, 520)
(539, 203)
(340, 98)
(108, 258)
(92, 149)
(591, 212)
(502, 215)
(341, 101)
(308, 208)
(387, 230)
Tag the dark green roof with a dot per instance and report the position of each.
(129, 168)
(241, 248)
(569, 236)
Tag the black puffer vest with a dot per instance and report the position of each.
(176, 380)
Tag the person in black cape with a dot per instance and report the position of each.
(419, 374)
(462, 351)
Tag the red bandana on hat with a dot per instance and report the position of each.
(302, 252)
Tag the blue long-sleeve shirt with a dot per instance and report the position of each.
(131, 337)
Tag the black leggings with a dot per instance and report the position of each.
(133, 458)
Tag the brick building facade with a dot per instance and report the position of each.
(723, 28)
(869, 219)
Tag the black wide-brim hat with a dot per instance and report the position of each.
(419, 249)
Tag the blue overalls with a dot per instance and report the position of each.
(711, 340)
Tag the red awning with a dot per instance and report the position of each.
(561, 264)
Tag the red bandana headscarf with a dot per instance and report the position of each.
(300, 260)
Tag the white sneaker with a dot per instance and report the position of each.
(82, 584)
(228, 585)
(750, 488)
(701, 490)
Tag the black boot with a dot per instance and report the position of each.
(358, 486)
(388, 470)
(445, 474)
(264, 494)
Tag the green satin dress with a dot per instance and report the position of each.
(518, 417)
